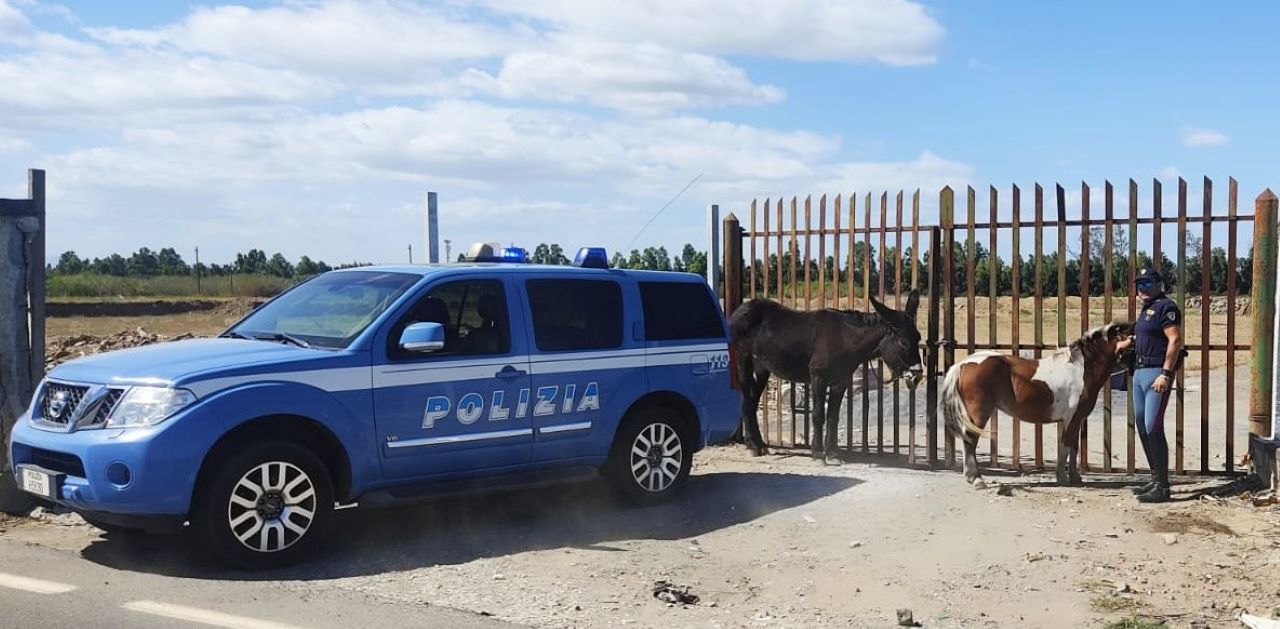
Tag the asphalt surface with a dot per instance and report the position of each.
(43, 587)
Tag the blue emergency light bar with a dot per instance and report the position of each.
(513, 254)
(591, 258)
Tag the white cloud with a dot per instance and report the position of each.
(14, 26)
(894, 32)
(927, 172)
(10, 144)
(1169, 173)
(643, 77)
(1194, 137)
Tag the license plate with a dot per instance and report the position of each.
(38, 482)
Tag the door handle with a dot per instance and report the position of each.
(510, 372)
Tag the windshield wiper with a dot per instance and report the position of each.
(232, 334)
(284, 338)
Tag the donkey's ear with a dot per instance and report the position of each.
(885, 312)
(913, 303)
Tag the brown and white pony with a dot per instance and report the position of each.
(1062, 386)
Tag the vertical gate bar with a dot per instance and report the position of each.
(1061, 198)
(993, 306)
(1015, 270)
(897, 305)
(931, 338)
(780, 295)
(852, 305)
(1108, 268)
(866, 299)
(808, 256)
(1157, 211)
(1038, 309)
(1206, 292)
(947, 213)
(836, 260)
(808, 305)
(752, 266)
(795, 285)
(970, 272)
(764, 284)
(1181, 297)
(1130, 466)
(880, 268)
(1084, 307)
(1231, 324)
(822, 252)
(915, 285)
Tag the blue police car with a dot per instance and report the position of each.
(378, 385)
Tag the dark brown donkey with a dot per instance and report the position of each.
(1060, 387)
(822, 348)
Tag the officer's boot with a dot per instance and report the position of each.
(1160, 491)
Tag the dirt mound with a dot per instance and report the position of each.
(238, 307)
(61, 350)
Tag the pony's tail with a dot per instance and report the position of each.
(954, 412)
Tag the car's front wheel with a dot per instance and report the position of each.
(266, 505)
(651, 457)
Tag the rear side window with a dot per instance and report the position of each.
(573, 315)
(678, 311)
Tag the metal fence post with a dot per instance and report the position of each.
(433, 229)
(713, 248)
(1263, 301)
(931, 338)
(732, 264)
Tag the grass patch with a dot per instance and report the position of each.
(91, 285)
(1111, 604)
(1136, 623)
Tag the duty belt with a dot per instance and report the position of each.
(1143, 362)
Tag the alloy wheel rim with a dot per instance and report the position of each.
(272, 507)
(656, 457)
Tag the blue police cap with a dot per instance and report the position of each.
(1148, 274)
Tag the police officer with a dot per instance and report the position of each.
(1157, 345)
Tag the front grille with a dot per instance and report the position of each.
(106, 404)
(59, 403)
(68, 464)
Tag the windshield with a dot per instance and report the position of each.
(328, 311)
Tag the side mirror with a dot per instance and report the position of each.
(422, 338)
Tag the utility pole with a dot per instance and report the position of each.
(410, 253)
(448, 250)
(433, 230)
(198, 290)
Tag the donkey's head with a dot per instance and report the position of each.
(900, 348)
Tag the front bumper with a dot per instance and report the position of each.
(121, 472)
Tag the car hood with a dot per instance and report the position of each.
(176, 362)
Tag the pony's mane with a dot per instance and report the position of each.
(1088, 342)
(862, 319)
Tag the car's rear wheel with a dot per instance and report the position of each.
(651, 457)
(267, 505)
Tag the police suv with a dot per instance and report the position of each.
(378, 385)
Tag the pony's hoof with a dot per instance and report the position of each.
(1075, 481)
(978, 483)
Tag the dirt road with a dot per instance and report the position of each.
(782, 542)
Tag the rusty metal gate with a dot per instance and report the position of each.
(971, 263)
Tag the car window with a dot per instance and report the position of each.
(330, 310)
(573, 315)
(474, 316)
(678, 311)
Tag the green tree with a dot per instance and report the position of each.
(169, 262)
(143, 262)
(279, 266)
(70, 264)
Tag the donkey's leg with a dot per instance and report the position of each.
(818, 416)
(759, 381)
(834, 396)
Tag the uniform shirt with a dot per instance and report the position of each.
(1150, 342)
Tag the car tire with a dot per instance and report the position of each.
(651, 457)
(265, 506)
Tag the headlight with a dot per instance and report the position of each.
(148, 406)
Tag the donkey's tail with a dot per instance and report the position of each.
(954, 411)
(746, 319)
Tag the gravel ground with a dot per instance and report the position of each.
(783, 541)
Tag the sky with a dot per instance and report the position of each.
(317, 127)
